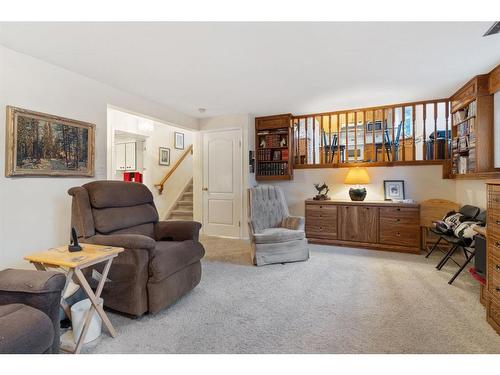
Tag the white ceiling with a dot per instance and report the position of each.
(266, 68)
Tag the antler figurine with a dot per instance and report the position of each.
(322, 192)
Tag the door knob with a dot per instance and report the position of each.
(205, 189)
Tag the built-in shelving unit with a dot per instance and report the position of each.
(472, 130)
(273, 144)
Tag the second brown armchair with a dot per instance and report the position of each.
(161, 262)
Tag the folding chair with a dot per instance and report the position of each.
(470, 212)
(469, 251)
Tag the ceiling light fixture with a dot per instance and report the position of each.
(494, 29)
(202, 110)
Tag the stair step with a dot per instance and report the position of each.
(178, 217)
(181, 212)
(185, 203)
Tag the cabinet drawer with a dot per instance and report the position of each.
(493, 198)
(493, 221)
(493, 314)
(493, 242)
(321, 207)
(494, 276)
(399, 234)
(318, 214)
(407, 215)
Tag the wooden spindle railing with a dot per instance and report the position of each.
(188, 151)
(395, 134)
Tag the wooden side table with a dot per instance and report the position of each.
(73, 264)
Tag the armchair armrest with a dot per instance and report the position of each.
(29, 281)
(128, 241)
(177, 230)
(38, 289)
(293, 222)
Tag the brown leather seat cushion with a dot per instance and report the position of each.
(168, 257)
(24, 329)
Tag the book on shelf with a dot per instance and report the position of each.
(272, 169)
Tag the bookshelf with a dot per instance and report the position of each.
(273, 148)
(472, 130)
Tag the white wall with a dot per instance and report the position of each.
(155, 135)
(421, 182)
(238, 121)
(35, 212)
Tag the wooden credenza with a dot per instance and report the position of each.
(491, 295)
(370, 224)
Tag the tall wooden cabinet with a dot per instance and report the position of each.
(377, 225)
(492, 293)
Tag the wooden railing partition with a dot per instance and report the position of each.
(405, 133)
(188, 151)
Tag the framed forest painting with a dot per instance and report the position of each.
(39, 144)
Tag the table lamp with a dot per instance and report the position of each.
(357, 176)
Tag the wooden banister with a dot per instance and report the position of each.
(172, 170)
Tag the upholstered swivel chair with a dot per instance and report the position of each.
(161, 261)
(276, 236)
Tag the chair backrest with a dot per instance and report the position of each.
(481, 218)
(267, 207)
(435, 209)
(469, 211)
(106, 207)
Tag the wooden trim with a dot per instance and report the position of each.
(160, 185)
(368, 245)
(371, 164)
(494, 81)
(375, 107)
(476, 176)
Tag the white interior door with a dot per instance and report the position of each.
(222, 175)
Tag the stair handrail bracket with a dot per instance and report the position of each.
(161, 184)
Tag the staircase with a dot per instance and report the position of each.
(183, 208)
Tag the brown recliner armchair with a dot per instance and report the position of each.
(29, 311)
(161, 261)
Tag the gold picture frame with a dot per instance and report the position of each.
(39, 144)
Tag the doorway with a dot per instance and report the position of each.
(222, 183)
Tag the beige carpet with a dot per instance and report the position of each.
(340, 301)
(227, 250)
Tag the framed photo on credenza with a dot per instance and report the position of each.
(394, 189)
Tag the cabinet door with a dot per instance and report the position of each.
(120, 156)
(368, 222)
(130, 164)
(358, 223)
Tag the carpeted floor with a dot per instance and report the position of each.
(340, 301)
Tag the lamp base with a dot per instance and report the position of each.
(357, 194)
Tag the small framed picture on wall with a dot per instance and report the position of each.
(179, 141)
(164, 158)
(394, 189)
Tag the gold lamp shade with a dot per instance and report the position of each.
(357, 176)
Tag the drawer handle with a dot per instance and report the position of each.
(398, 220)
(497, 267)
(398, 209)
(497, 289)
(497, 244)
(497, 222)
(398, 234)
